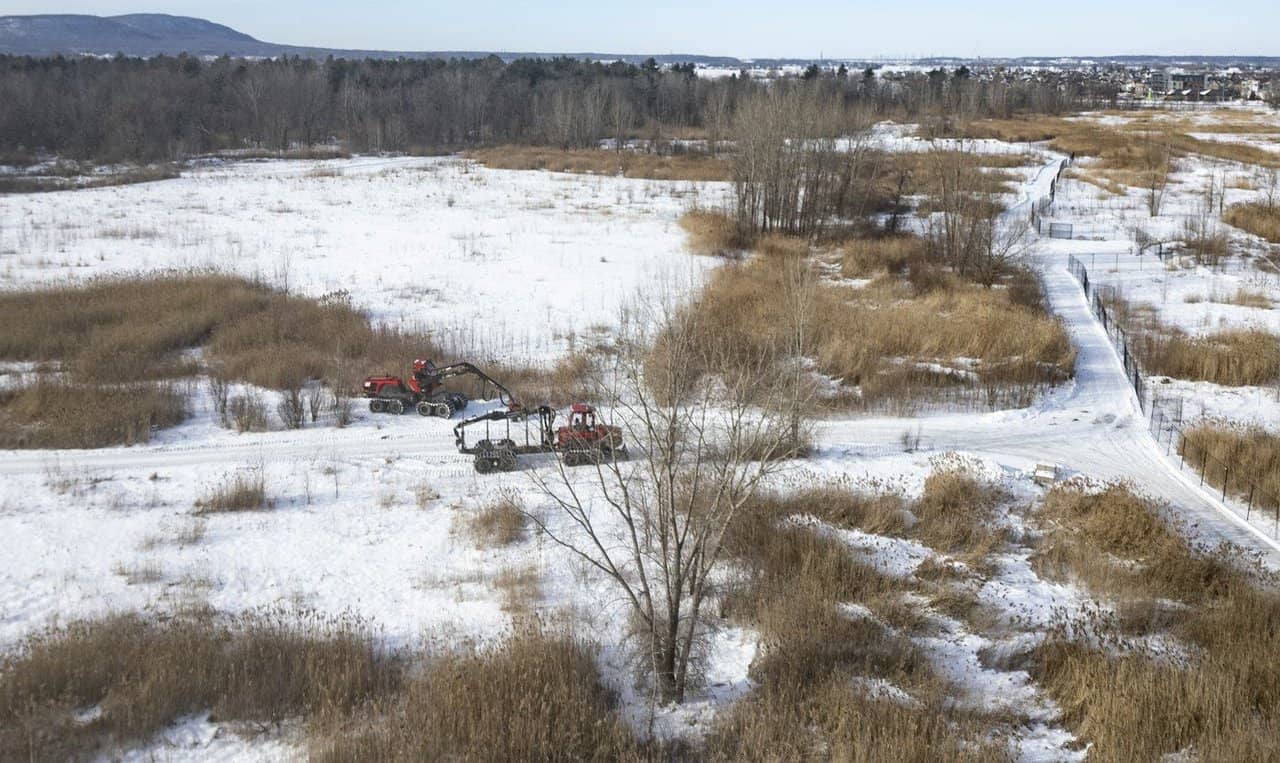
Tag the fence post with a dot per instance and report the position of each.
(1249, 510)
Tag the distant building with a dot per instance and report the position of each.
(1159, 82)
(1188, 81)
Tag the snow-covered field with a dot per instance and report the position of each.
(372, 519)
(516, 263)
(1242, 292)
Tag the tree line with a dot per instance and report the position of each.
(171, 108)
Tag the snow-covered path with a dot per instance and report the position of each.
(1092, 426)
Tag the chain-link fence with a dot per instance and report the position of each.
(1167, 424)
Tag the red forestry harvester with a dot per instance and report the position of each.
(425, 392)
(585, 440)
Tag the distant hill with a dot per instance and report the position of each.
(153, 34)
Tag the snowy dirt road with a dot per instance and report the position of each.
(1093, 427)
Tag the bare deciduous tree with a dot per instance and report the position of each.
(654, 525)
(799, 162)
(1157, 166)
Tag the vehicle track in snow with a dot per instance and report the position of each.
(1092, 426)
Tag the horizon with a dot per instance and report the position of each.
(713, 29)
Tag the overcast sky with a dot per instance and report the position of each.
(744, 28)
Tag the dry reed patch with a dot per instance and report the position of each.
(1118, 542)
(713, 233)
(1252, 453)
(126, 329)
(244, 491)
(536, 697)
(891, 340)
(841, 720)
(1117, 147)
(1233, 358)
(631, 164)
(142, 675)
(958, 515)
(816, 657)
(571, 379)
(895, 255)
(1258, 300)
(51, 414)
(1221, 697)
(1257, 218)
(498, 523)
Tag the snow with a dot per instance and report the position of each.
(517, 263)
(370, 520)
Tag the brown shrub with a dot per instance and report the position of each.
(713, 233)
(245, 491)
(537, 697)
(143, 675)
(1256, 218)
(500, 522)
(50, 414)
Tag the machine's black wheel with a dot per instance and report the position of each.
(378, 406)
(444, 410)
(426, 409)
(576, 455)
(507, 461)
(459, 401)
(395, 407)
(484, 465)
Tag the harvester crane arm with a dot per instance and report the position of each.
(461, 369)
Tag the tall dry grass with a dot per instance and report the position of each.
(894, 339)
(1216, 695)
(498, 522)
(243, 491)
(142, 675)
(1257, 218)
(130, 329)
(1251, 453)
(55, 414)
(536, 697)
(1231, 357)
(631, 164)
(713, 233)
(1117, 147)
(1234, 358)
(815, 656)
